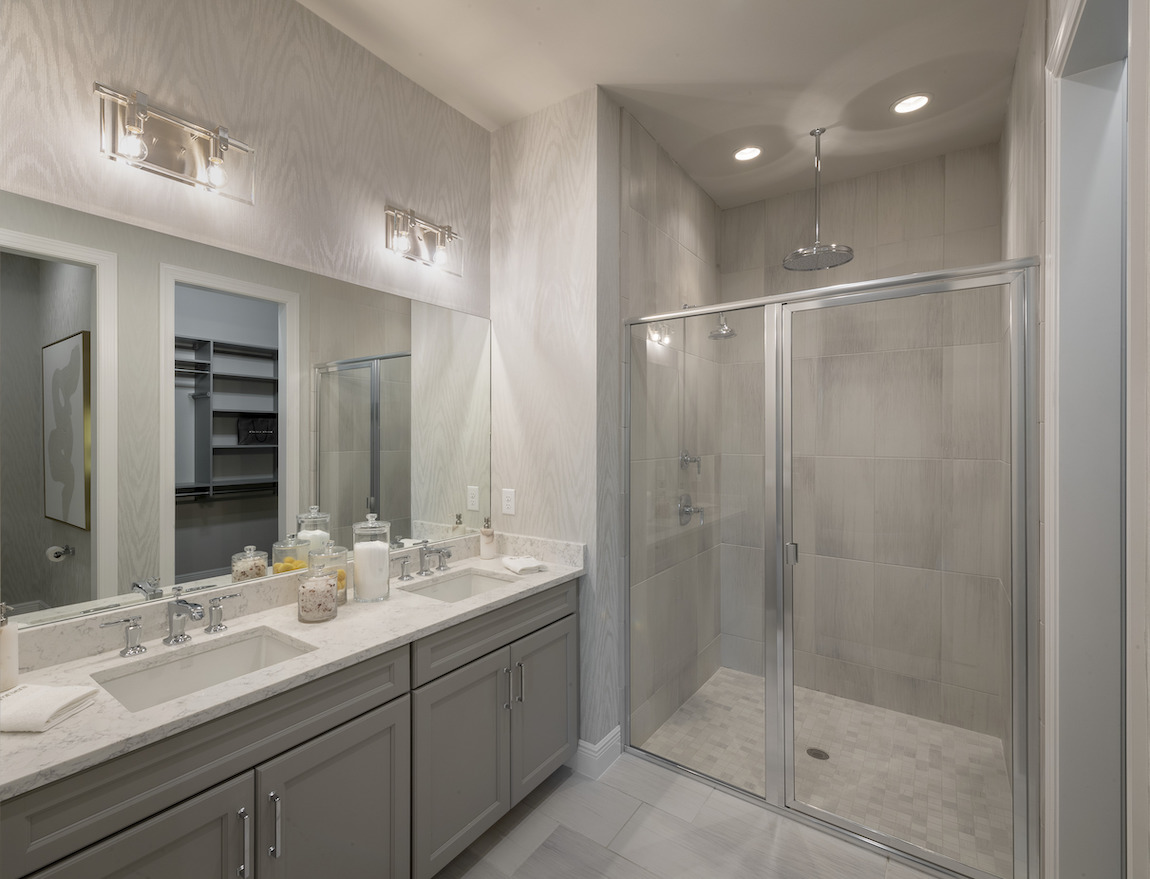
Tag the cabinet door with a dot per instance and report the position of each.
(545, 704)
(201, 838)
(339, 804)
(461, 781)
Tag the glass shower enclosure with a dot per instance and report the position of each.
(831, 529)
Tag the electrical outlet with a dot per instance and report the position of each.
(509, 501)
(473, 497)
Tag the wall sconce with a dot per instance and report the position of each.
(135, 132)
(420, 240)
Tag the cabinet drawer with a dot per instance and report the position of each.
(58, 819)
(453, 648)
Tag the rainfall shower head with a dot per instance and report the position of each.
(818, 255)
(722, 331)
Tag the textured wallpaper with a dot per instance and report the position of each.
(338, 134)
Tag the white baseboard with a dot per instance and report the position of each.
(592, 760)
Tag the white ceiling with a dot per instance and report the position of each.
(708, 76)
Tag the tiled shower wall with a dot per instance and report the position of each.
(901, 494)
(669, 258)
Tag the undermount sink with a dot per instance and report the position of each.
(459, 586)
(186, 670)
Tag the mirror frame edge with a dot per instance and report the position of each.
(289, 390)
(105, 416)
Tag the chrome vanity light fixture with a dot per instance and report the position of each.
(818, 255)
(135, 132)
(422, 241)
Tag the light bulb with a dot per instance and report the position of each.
(132, 146)
(910, 103)
(440, 257)
(217, 176)
(402, 243)
(747, 153)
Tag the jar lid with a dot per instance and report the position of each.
(372, 526)
(250, 552)
(329, 551)
(313, 516)
(318, 573)
(290, 542)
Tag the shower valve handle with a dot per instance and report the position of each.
(686, 459)
(686, 511)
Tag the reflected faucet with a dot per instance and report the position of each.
(150, 588)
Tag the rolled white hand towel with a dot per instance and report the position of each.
(33, 708)
(522, 564)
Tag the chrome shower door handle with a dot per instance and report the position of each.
(245, 869)
(277, 848)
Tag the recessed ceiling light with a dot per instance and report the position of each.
(747, 153)
(910, 103)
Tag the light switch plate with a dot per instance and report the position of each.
(509, 501)
(473, 497)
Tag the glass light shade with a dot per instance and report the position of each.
(910, 103)
(747, 153)
(132, 146)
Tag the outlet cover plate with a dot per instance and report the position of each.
(508, 507)
(473, 497)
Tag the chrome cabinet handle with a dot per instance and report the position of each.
(522, 681)
(277, 848)
(245, 870)
(510, 688)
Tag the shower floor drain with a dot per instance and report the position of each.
(818, 754)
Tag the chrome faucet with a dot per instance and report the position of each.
(179, 611)
(443, 553)
(150, 588)
(216, 613)
(686, 459)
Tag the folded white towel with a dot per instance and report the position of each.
(522, 564)
(33, 708)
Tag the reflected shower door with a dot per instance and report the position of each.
(900, 447)
(345, 465)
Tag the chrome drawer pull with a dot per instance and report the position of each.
(522, 681)
(245, 870)
(277, 849)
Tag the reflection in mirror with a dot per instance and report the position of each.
(41, 302)
(449, 424)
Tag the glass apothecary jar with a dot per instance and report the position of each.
(317, 596)
(372, 551)
(290, 554)
(333, 558)
(314, 527)
(249, 564)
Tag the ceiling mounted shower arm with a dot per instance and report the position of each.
(817, 134)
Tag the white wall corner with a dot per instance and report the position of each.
(592, 760)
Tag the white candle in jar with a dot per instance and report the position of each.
(372, 570)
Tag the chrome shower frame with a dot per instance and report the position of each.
(1020, 277)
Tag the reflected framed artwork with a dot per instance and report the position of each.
(68, 430)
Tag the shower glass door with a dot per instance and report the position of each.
(704, 682)
(905, 580)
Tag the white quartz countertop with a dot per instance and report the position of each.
(107, 729)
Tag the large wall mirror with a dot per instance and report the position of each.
(62, 269)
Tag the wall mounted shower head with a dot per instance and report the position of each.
(722, 331)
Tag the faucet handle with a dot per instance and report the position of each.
(132, 645)
(403, 565)
(216, 613)
(444, 555)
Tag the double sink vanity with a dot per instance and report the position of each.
(381, 743)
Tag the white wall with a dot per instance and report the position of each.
(338, 134)
(554, 312)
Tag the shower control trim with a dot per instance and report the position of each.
(686, 459)
(686, 511)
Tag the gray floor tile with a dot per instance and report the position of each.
(592, 808)
(566, 853)
(672, 793)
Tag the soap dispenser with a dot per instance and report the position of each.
(9, 650)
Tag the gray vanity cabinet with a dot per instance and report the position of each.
(339, 805)
(487, 733)
(202, 838)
